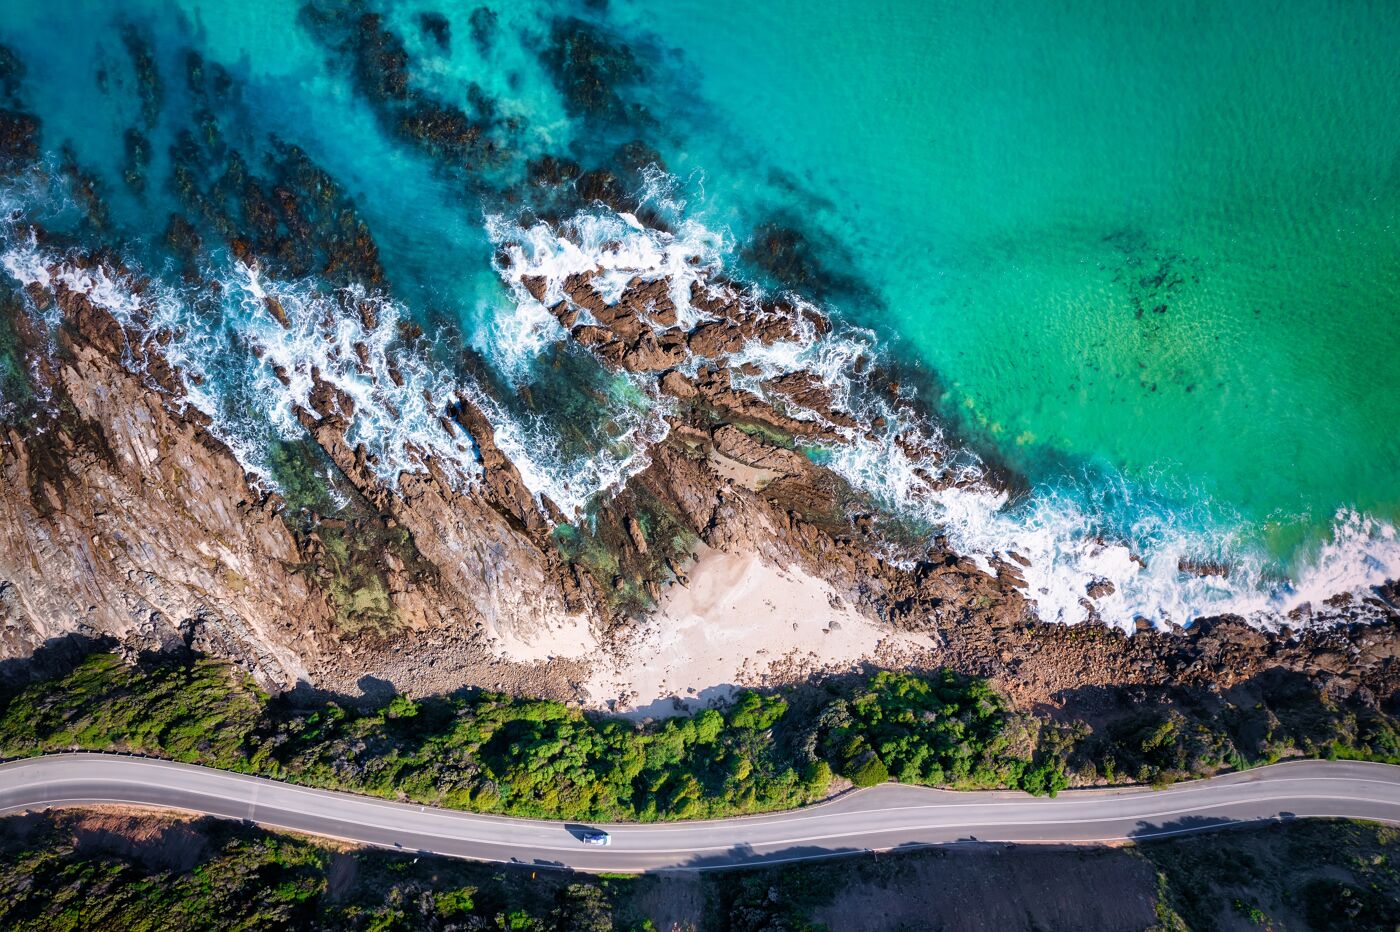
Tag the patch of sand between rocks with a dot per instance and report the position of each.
(565, 636)
(740, 621)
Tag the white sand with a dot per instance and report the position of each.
(740, 622)
(568, 636)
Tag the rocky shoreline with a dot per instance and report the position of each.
(124, 515)
(123, 490)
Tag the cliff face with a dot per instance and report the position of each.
(723, 473)
(124, 516)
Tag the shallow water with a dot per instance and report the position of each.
(1161, 240)
(1149, 259)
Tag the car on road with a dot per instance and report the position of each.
(601, 839)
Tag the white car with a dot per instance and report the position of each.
(601, 839)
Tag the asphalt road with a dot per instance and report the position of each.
(880, 818)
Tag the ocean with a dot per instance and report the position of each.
(1143, 259)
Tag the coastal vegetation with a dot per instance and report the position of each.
(109, 870)
(763, 751)
(531, 757)
(936, 730)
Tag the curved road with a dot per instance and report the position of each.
(879, 818)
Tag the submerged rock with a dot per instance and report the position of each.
(592, 68)
(483, 27)
(137, 159)
(149, 86)
(19, 139)
(436, 27)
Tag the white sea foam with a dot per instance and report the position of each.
(1073, 536)
(1071, 542)
(610, 246)
(233, 349)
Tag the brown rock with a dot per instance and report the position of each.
(279, 314)
(1100, 588)
(676, 385)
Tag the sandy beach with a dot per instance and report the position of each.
(739, 621)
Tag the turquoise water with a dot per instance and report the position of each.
(1156, 238)
(1145, 255)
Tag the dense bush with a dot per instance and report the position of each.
(480, 751)
(198, 712)
(76, 871)
(496, 753)
(253, 881)
(1158, 746)
(937, 730)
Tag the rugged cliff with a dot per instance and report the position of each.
(125, 516)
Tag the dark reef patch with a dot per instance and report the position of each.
(1153, 277)
(149, 87)
(436, 27)
(592, 67)
(297, 218)
(12, 72)
(483, 26)
(86, 190)
(794, 257)
(557, 186)
(136, 160)
(378, 62)
(19, 139)
(19, 129)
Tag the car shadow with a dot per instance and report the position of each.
(580, 831)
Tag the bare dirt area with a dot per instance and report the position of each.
(985, 889)
(156, 839)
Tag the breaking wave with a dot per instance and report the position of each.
(250, 372)
(1107, 547)
(1102, 547)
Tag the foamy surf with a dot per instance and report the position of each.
(251, 372)
(1065, 554)
(1078, 560)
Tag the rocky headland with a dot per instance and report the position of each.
(125, 517)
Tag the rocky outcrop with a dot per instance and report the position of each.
(730, 474)
(124, 517)
(158, 537)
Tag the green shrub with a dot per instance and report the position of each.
(531, 757)
(869, 772)
(939, 729)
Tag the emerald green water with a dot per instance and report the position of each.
(1158, 238)
(1147, 255)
